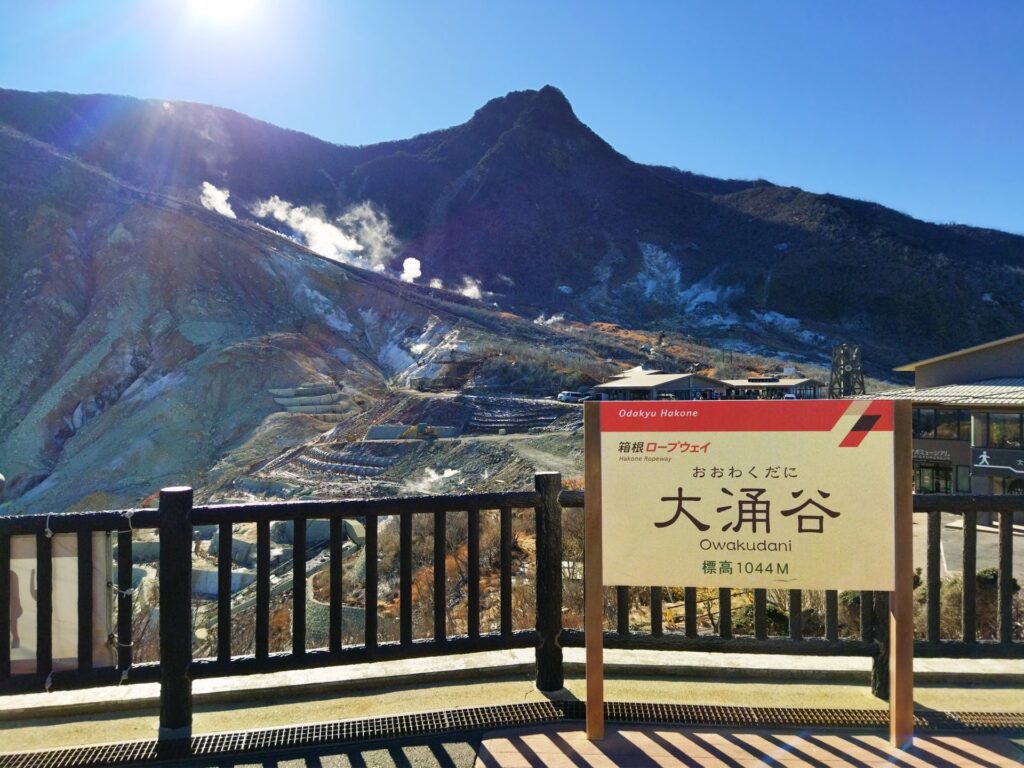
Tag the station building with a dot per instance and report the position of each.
(639, 384)
(655, 385)
(772, 388)
(968, 422)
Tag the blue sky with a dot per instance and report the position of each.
(916, 105)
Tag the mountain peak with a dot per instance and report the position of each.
(547, 108)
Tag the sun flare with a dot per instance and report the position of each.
(221, 11)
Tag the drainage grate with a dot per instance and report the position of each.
(491, 718)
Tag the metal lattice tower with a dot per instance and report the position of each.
(847, 377)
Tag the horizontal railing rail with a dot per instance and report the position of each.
(425, 563)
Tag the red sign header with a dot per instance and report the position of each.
(745, 415)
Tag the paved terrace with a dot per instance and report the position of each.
(698, 709)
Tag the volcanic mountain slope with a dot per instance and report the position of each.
(143, 336)
(547, 217)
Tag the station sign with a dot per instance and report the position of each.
(749, 494)
(997, 461)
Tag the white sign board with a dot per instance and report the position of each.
(770, 494)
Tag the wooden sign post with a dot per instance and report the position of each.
(756, 494)
(593, 580)
(901, 600)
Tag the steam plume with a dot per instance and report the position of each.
(410, 270)
(214, 199)
(470, 288)
(360, 236)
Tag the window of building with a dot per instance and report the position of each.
(942, 424)
(963, 479)
(933, 478)
(947, 427)
(1004, 430)
(1007, 485)
(924, 422)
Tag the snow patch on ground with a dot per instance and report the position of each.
(778, 322)
(543, 320)
(333, 316)
(437, 346)
(710, 319)
(708, 291)
(704, 303)
(120, 236)
(393, 358)
(143, 391)
(398, 345)
(659, 278)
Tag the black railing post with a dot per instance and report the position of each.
(1005, 577)
(176, 613)
(550, 675)
(880, 662)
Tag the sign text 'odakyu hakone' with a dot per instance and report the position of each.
(794, 494)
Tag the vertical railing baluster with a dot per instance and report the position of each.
(176, 630)
(334, 622)
(934, 575)
(970, 572)
(84, 603)
(548, 587)
(690, 618)
(880, 662)
(760, 614)
(5, 610)
(473, 555)
(299, 587)
(370, 555)
(831, 615)
(1006, 577)
(262, 589)
(405, 579)
(796, 615)
(44, 605)
(657, 624)
(506, 571)
(225, 555)
(622, 610)
(440, 600)
(725, 613)
(867, 616)
(125, 601)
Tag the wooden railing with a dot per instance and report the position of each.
(176, 520)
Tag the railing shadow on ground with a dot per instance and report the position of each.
(489, 583)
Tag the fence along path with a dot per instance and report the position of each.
(176, 519)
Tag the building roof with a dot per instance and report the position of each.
(635, 371)
(651, 380)
(769, 382)
(911, 367)
(1005, 392)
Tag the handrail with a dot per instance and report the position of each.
(430, 567)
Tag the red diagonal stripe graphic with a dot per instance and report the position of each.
(860, 430)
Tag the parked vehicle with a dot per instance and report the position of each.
(566, 396)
